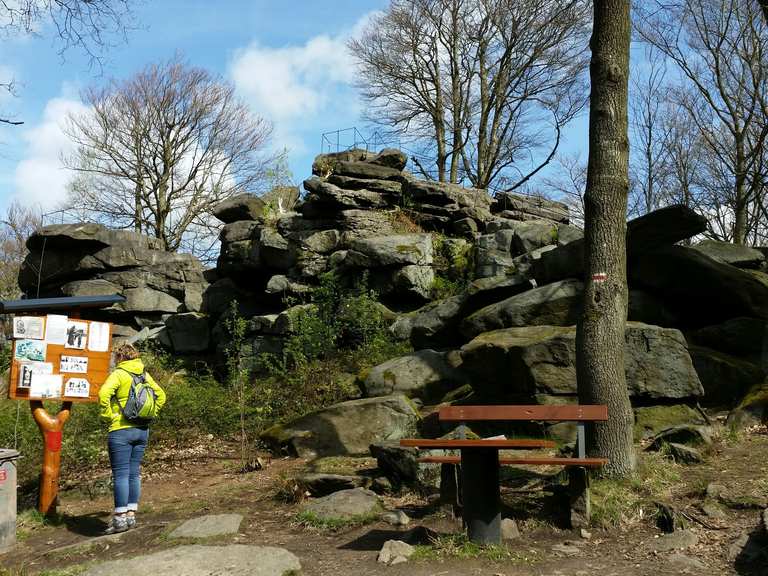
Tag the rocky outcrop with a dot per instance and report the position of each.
(89, 259)
(348, 428)
(543, 361)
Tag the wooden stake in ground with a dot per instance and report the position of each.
(600, 335)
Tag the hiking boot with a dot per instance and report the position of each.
(117, 524)
(131, 521)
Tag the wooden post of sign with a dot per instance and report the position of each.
(51, 428)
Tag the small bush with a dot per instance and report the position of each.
(342, 334)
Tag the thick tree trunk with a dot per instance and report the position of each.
(600, 335)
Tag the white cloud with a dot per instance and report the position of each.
(40, 179)
(297, 86)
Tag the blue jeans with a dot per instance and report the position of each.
(126, 451)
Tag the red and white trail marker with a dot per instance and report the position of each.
(599, 277)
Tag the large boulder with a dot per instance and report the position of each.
(390, 187)
(557, 304)
(752, 409)
(398, 250)
(444, 194)
(743, 337)
(348, 428)
(324, 196)
(522, 363)
(483, 292)
(726, 379)
(189, 333)
(433, 325)
(241, 207)
(390, 157)
(324, 163)
(493, 256)
(367, 170)
(518, 207)
(729, 253)
(425, 374)
(702, 291)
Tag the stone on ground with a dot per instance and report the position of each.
(733, 254)
(209, 526)
(684, 454)
(344, 505)
(324, 484)
(683, 434)
(395, 552)
(396, 518)
(686, 564)
(196, 560)
(678, 540)
(509, 529)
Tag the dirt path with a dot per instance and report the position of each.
(195, 486)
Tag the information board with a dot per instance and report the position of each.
(56, 357)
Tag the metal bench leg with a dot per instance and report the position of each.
(480, 495)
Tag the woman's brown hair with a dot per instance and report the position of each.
(125, 352)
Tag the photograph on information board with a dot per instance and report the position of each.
(76, 335)
(74, 364)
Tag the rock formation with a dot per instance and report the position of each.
(698, 327)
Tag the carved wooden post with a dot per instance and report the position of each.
(51, 428)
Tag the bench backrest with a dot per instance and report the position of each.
(558, 413)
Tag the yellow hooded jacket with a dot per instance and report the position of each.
(116, 389)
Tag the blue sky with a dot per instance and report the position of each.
(287, 60)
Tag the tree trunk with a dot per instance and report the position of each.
(600, 334)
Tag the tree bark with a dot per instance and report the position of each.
(600, 333)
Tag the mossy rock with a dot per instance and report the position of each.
(650, 420)
(753, 408)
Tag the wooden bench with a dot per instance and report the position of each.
(480, 458)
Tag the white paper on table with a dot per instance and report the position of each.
(74, 364)
(98, 337)
(26, 369)
(45, 386)
(31, 327)
(56, 329)
(77, 388)
(77, 334)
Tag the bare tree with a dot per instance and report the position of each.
(157, 151)
(18, 224)
(600, 332)
(649, 155)
(566, 183)
(490, 83)
(721, 49)
(89, 25)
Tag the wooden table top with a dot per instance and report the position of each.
(479, 443)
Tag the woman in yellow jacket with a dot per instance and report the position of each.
(127, 440)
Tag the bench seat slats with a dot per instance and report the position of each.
(586, 462)
(577, 413)
(457, 444)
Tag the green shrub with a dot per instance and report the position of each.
(331, 342)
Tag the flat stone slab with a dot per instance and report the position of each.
(197, 560)
(208, 526)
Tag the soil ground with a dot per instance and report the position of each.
(203, 480)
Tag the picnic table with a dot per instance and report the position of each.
(480, 461)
